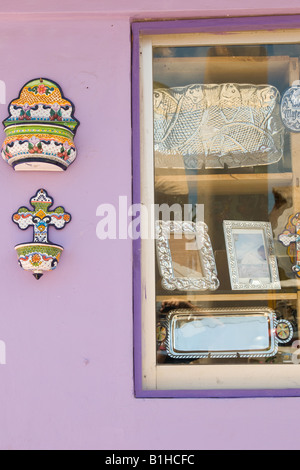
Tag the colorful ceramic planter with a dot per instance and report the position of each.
(40, 255)
(40, 129)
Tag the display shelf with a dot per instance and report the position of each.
(228, 297)
(278, 71)
(238, 69)
(170, 181)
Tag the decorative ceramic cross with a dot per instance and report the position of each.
(291, 236)
(41, 217)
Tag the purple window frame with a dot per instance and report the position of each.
(217, 25)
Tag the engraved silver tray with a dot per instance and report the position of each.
(210, 126)
(225, 333)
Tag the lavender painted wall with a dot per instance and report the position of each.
(68, 380)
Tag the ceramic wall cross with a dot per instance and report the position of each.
(40, 254)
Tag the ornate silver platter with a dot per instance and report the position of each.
(251, 255)
(290, 109)
(185, 256)
(212, 125)
(225, 333)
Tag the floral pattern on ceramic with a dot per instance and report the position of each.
(38, 258)
(40, 254)
(40, 129)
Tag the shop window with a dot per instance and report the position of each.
(216, 169)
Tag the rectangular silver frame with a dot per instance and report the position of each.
(209, 280)
(256, 274)
(221, 333)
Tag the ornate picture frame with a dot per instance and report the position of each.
(251, 255)
(198, 241)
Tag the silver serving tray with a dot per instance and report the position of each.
(210, 126)
(224, 333)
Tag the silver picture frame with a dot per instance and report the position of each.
(196, 239)
(225, 333)
(251, 255)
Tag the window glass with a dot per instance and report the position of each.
(225, 122)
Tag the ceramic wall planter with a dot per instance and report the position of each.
(40, 255)
(40, 129)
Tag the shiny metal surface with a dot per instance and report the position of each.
(211, 126)
(223, 333)
(290, 109)
(251, 274)
(207, 280)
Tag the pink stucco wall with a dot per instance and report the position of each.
(68, 378)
